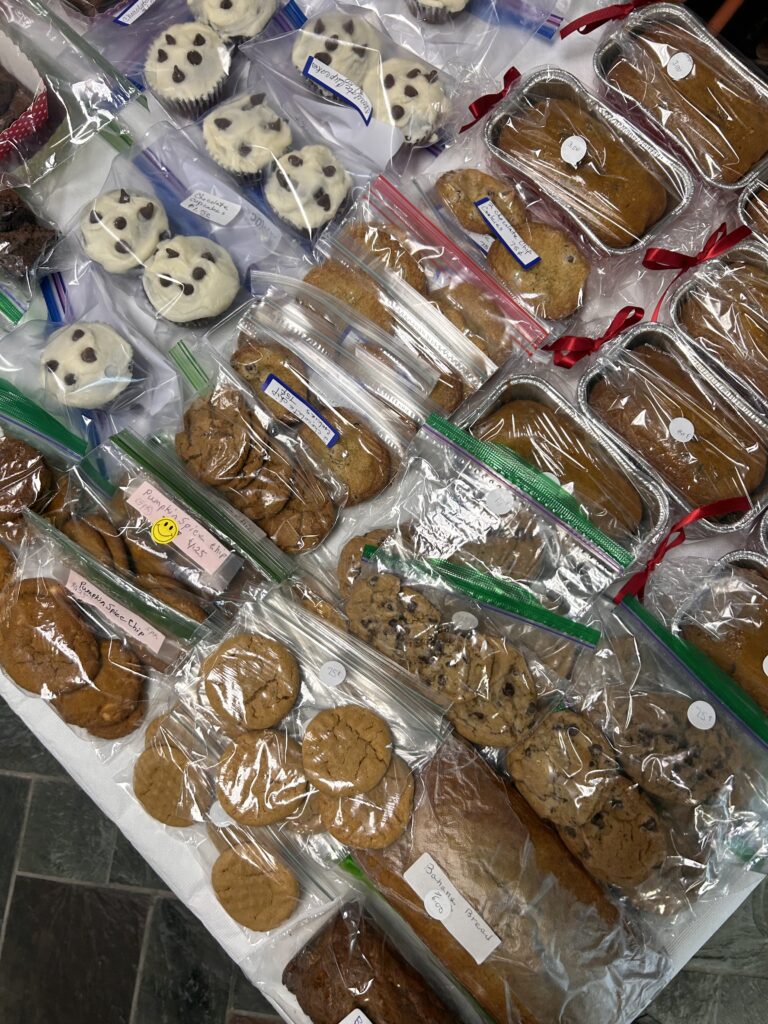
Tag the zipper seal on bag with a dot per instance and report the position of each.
(189, 367)
(535, 487)
(17, 409)
(485, 591)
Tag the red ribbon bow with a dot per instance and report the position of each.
(720, 241)
(635, 586)
(480, 107)
(589, 22)
(570, 348)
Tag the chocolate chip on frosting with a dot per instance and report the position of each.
(178, 75)
(195, 58)
(88, 355)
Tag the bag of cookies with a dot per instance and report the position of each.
(423, 270)
(616, 184)
(650, 393)
(673, 76)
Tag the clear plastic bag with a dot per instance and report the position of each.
(668, 70)
(26, 240)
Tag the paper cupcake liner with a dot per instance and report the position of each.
(35, 116)
(432, 15)
(193, 109)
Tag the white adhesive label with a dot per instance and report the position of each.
(506, 234)
(192, 539)
(701, 715)
(500, 501)
(332, 673)
(765, 665)
(127, 621)
(574, 149)
(679, 65)
(464, 620)
(356, 1017)
(483, 242)
(566, 487)
(134, 11)
(279, 392)
(443, 901)
(209, 207)
(681, 429)
(340, 86)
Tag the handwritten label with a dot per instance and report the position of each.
(332, 673)
(134, 11)
(192, 539)
(681, 429)
(574, 149)
(209, 207)
(356, 1017)
(279, 392)
(340, 86)
(506, 234)
(679, 65)
(464, 620)
(701, 715)
(127, 621)
(444, 902)
(483, 242)
(500, 501)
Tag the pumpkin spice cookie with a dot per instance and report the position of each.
(305, 520)
(375, 819)
(461, 189)
(175, 595)
(261, 780)
(113, 696)
(257, 360)
(358, 459)
(170, 787)
(351, 558)
(346, 749)
(382, 241)
(255, 889)
(353, 287)
(251, 681)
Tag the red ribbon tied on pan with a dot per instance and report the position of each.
(570, 348)
(635, 586)
(589, 22)
(720, 241)
(480, 107)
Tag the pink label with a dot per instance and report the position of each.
(128, 622)
(200, 546)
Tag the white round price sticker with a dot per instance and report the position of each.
(765, 664)
(701, 715)
(679, 65)
(574, 149)
(464, 620)
(681, 429)
(437, 905)
(500, 501)
(332, 673)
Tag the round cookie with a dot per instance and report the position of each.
(346, 749)
(26, 479)
(354, 288)
(245, 134)
(96, 534)
(7, 566)
(307, 188)
(170, 787)
(382, 242)
(305, 520)
(358, 458)
(461, 189)
(173, 729)
(175, 595)
(254, 888)
(264, 485)
(215, 442)
(390, 617)
(190, 279)
(86, 365)
(319, 606)
(235, 20)
(260, 779)
(351, 558)
(257, 360)
(121, 229)
(375, 819)
(117, 730)
(408, 94)
(113, 695)
(553, 287)
(45, 646)
(187, 66)
(345, 43)
(477, 315)
(251, 681)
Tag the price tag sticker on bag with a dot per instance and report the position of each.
(212, 208)
(340, 86)
(464, 620)
(128, 622)
(443, 902)
(679, 65)
(284, 395)
(574, 149)
(483, 242)
(500, 501)
(506, 234)
(332, 673)
(701, 715)
(356, 1017)
(681, 429)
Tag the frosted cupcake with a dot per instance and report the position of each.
(244, 135)
(344, 43)
(186, 67)
(407, 93)
(307, 188)
(122, 228)
(86, 365)
(235, 20)
(191, 280)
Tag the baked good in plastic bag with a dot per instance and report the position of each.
(612, 180)
(25, 238)
(692, 88)
(691, 429)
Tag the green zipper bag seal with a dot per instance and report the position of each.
(16, 408)
(485, 591)
(535, 484)
(189, 367)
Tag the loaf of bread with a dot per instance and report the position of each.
(351, 965)
(610, 188)
(553, 444)
(730, 624)
(651, 399)
(716, 113)
(727, 313)
(514, 872)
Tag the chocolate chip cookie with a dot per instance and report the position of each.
(353, 287)
(255, 889)
(382, 242)
(351, 558)
(358, 459)
(389, 616)
(461, 189)
(346, 749)
(260, 779)
(256, 361)
(215, 441)
(26, 481)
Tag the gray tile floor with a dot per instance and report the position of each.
(89, 935)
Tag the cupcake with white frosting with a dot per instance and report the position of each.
(344, 43)
(235, 20)
(121, 229)
(191, 280)
(86, 365)
(307, 188)
(186, 67)
(407, 93)
(245, 135)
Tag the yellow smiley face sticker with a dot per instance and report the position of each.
(164, 530)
